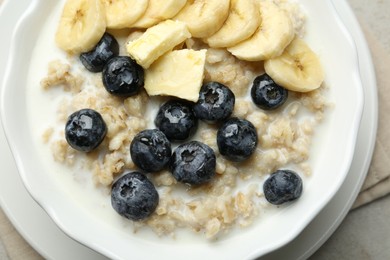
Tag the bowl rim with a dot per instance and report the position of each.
(18, 156)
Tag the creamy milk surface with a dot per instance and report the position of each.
(42, 105)
(77, 183)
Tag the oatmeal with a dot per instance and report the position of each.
(234, 196)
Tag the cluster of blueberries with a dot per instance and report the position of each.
(134, 195)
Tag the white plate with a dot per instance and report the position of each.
(11, 206)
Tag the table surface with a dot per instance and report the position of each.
(365, 232)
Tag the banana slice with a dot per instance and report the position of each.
(156, 41)
(297, 69)
(158, 11)
(82, 24)
(243, 20)
(276, 31)
(123, 13)
(177, 73)
(204, 17)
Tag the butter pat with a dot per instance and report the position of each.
(156, 41)
(178, 73)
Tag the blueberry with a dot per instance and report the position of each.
(282, 186)
(85, 130)
(134, 196)
(150, 150)
(122, 76)
(266, 94)
(176, 120)
(237, 139)
(216, 102)
(95, 59)
(193, 163)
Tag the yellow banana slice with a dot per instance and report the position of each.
(276, 31)
(123, 13)
(158, 11)
(81, 26)
(204, 17)
(297, 69)
(243, 20)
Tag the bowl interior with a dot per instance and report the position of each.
(78, 209)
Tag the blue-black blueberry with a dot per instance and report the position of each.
(134, 196)
(122, 76)
(176, 120)
(150, 150)
(282, 186)
(215, 103)
(193, 163)
(85, 130)
(266, 94)
(95, 59)
(237, 139)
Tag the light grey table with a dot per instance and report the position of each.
(365, 232)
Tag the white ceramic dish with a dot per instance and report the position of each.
(339, 132)
(42, 233)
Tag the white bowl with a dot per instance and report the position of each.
(76, 213)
